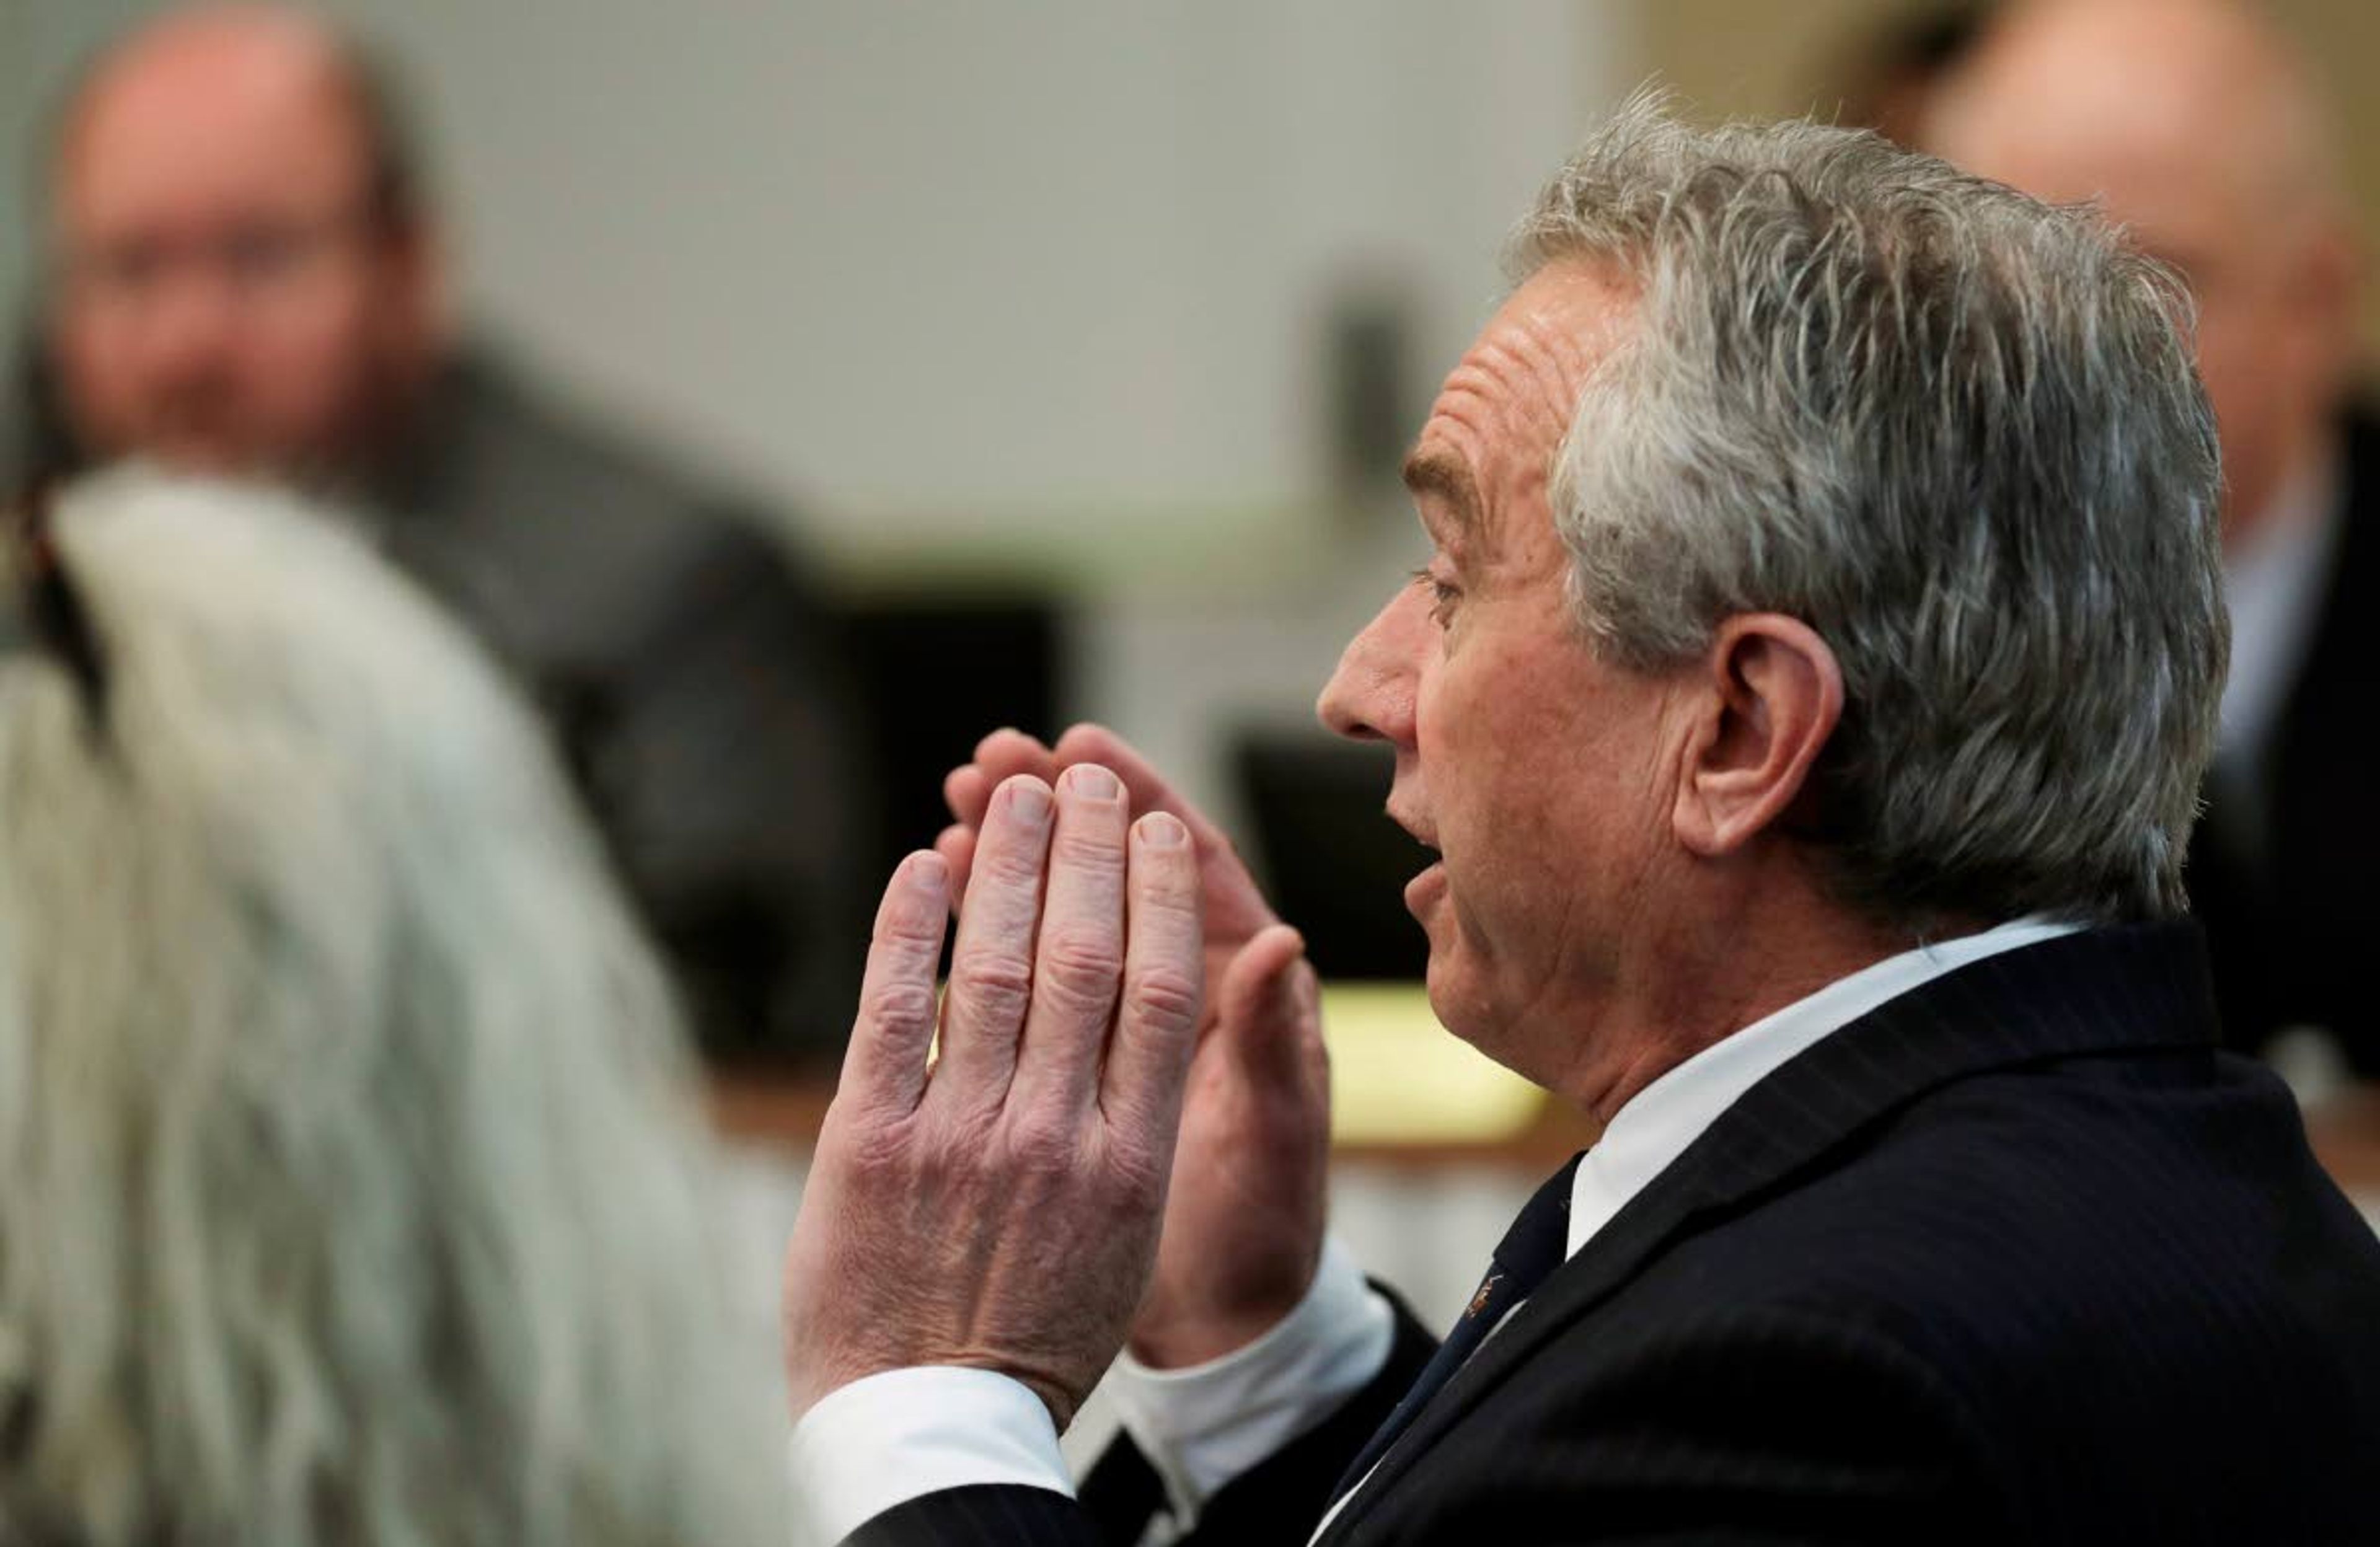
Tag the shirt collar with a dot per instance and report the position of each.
(1661, 1120)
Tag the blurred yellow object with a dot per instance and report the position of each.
(1397, 1077)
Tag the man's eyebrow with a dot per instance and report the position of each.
(1448, 478)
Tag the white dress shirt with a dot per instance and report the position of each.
(890, 1438)
(2273, 587)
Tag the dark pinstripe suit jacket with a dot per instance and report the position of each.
(2018, 1257)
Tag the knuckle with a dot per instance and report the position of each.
(899, 1007)
(992, 983)
(1073, 848)
(1161, 890)
(953, 1155)
(1136, 1178)
(1167, 889)
(877, 1151)
(1042, 1144)
(1082, 956)
(930, 1168)
(1166, 996)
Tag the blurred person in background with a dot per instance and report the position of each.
(350, 1187)
(244, 273)
(1891, 70)
(2200, 131)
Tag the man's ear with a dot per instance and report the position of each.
(2326, 282)
(1769, 694)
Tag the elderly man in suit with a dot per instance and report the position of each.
(1806, 692)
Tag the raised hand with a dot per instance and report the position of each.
(1243, 1229)
(1236, 911)
(1002, 1209)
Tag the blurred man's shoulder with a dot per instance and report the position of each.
(503, 443)
(513, 475)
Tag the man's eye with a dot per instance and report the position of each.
(1443, 595)
(129, 269)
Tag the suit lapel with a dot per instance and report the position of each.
(2100, 991)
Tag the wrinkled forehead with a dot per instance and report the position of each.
(1486, 450)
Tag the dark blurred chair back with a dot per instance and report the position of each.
(1334, 863)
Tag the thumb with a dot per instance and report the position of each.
(1268, 1005)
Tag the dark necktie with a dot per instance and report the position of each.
(1535, 1247)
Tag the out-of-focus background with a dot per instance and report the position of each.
(1110, 305)
(1103, 319)
(1070, 349)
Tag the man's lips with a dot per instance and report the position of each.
(1425, 887)
(1420, 832)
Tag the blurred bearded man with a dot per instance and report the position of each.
(244, 274)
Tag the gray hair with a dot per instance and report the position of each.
(351, 1188)
(1956, 431)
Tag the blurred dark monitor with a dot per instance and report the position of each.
(1333, 862)
(934, 674)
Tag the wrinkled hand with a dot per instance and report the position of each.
(1244, 1228)
(1002, 1211)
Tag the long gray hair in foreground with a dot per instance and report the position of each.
(350, 1189)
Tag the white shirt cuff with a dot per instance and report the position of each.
(899, 1435)
(1204, 1425)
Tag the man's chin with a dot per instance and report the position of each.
(1455, 996)
(1444, 978)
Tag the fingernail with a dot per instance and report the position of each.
(928, 869)
(1029, 798)
(1092, 782)
(1163, 830)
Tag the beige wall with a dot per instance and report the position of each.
(1769, 58)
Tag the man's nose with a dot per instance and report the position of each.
(192, 325)
(1370, 697)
